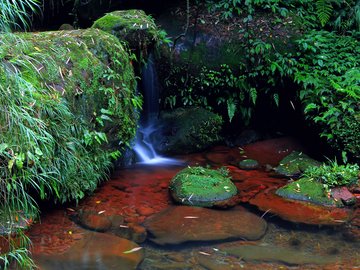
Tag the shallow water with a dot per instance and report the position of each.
(135, 193)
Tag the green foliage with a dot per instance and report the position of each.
(328, 71)
(324, 64)
(346, 16)
(333, 175)
(18, 253)
(239, 7)
(15, 14)
(324, 9)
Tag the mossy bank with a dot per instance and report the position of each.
(69, 105)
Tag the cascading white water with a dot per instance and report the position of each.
(143, 147)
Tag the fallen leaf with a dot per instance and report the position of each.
(132, 250)
(204, 253)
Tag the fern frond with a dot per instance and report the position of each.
(324, 10)
(253, 95)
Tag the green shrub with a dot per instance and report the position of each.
(333, 175)
(329, 75)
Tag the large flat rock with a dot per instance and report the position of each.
(181, 224)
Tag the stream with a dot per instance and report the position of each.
(100, 231)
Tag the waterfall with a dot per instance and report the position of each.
(143, 148)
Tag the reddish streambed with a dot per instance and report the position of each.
(133, 194)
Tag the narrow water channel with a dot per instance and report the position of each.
(101, 231)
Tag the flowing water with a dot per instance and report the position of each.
(121, 205)
(143, 147)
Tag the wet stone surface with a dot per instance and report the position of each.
(182, 224)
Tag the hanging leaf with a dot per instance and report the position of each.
(231, 107)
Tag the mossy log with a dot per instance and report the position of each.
(69, 103)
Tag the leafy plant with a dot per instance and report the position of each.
(324, 9)
(328, 72)
(333, 174)
(15, 14)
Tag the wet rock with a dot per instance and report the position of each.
(300, 211)
(94, 221)
(344, 195)
(138, 233)
(308, 190)
(94, 251)
(197, 186)
(179, 224)
(66, 26)
(145, 210)
(131, 231)
(295, 164)
(187, 130)
(248, 164)
(277, 254)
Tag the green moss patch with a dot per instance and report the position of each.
(309, 190)
(295, 164)
(198, 186)
(133, 26)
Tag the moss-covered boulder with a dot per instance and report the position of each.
(187, 130)
(69, 103)
(133, 26)
(294, 164)
(309, 190)
(198, 186)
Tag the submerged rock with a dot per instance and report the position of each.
(248, 164)
(277, 254)
(181, 224)
(94, 221)
(295, 164)
(198, 186)
(95, 251)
